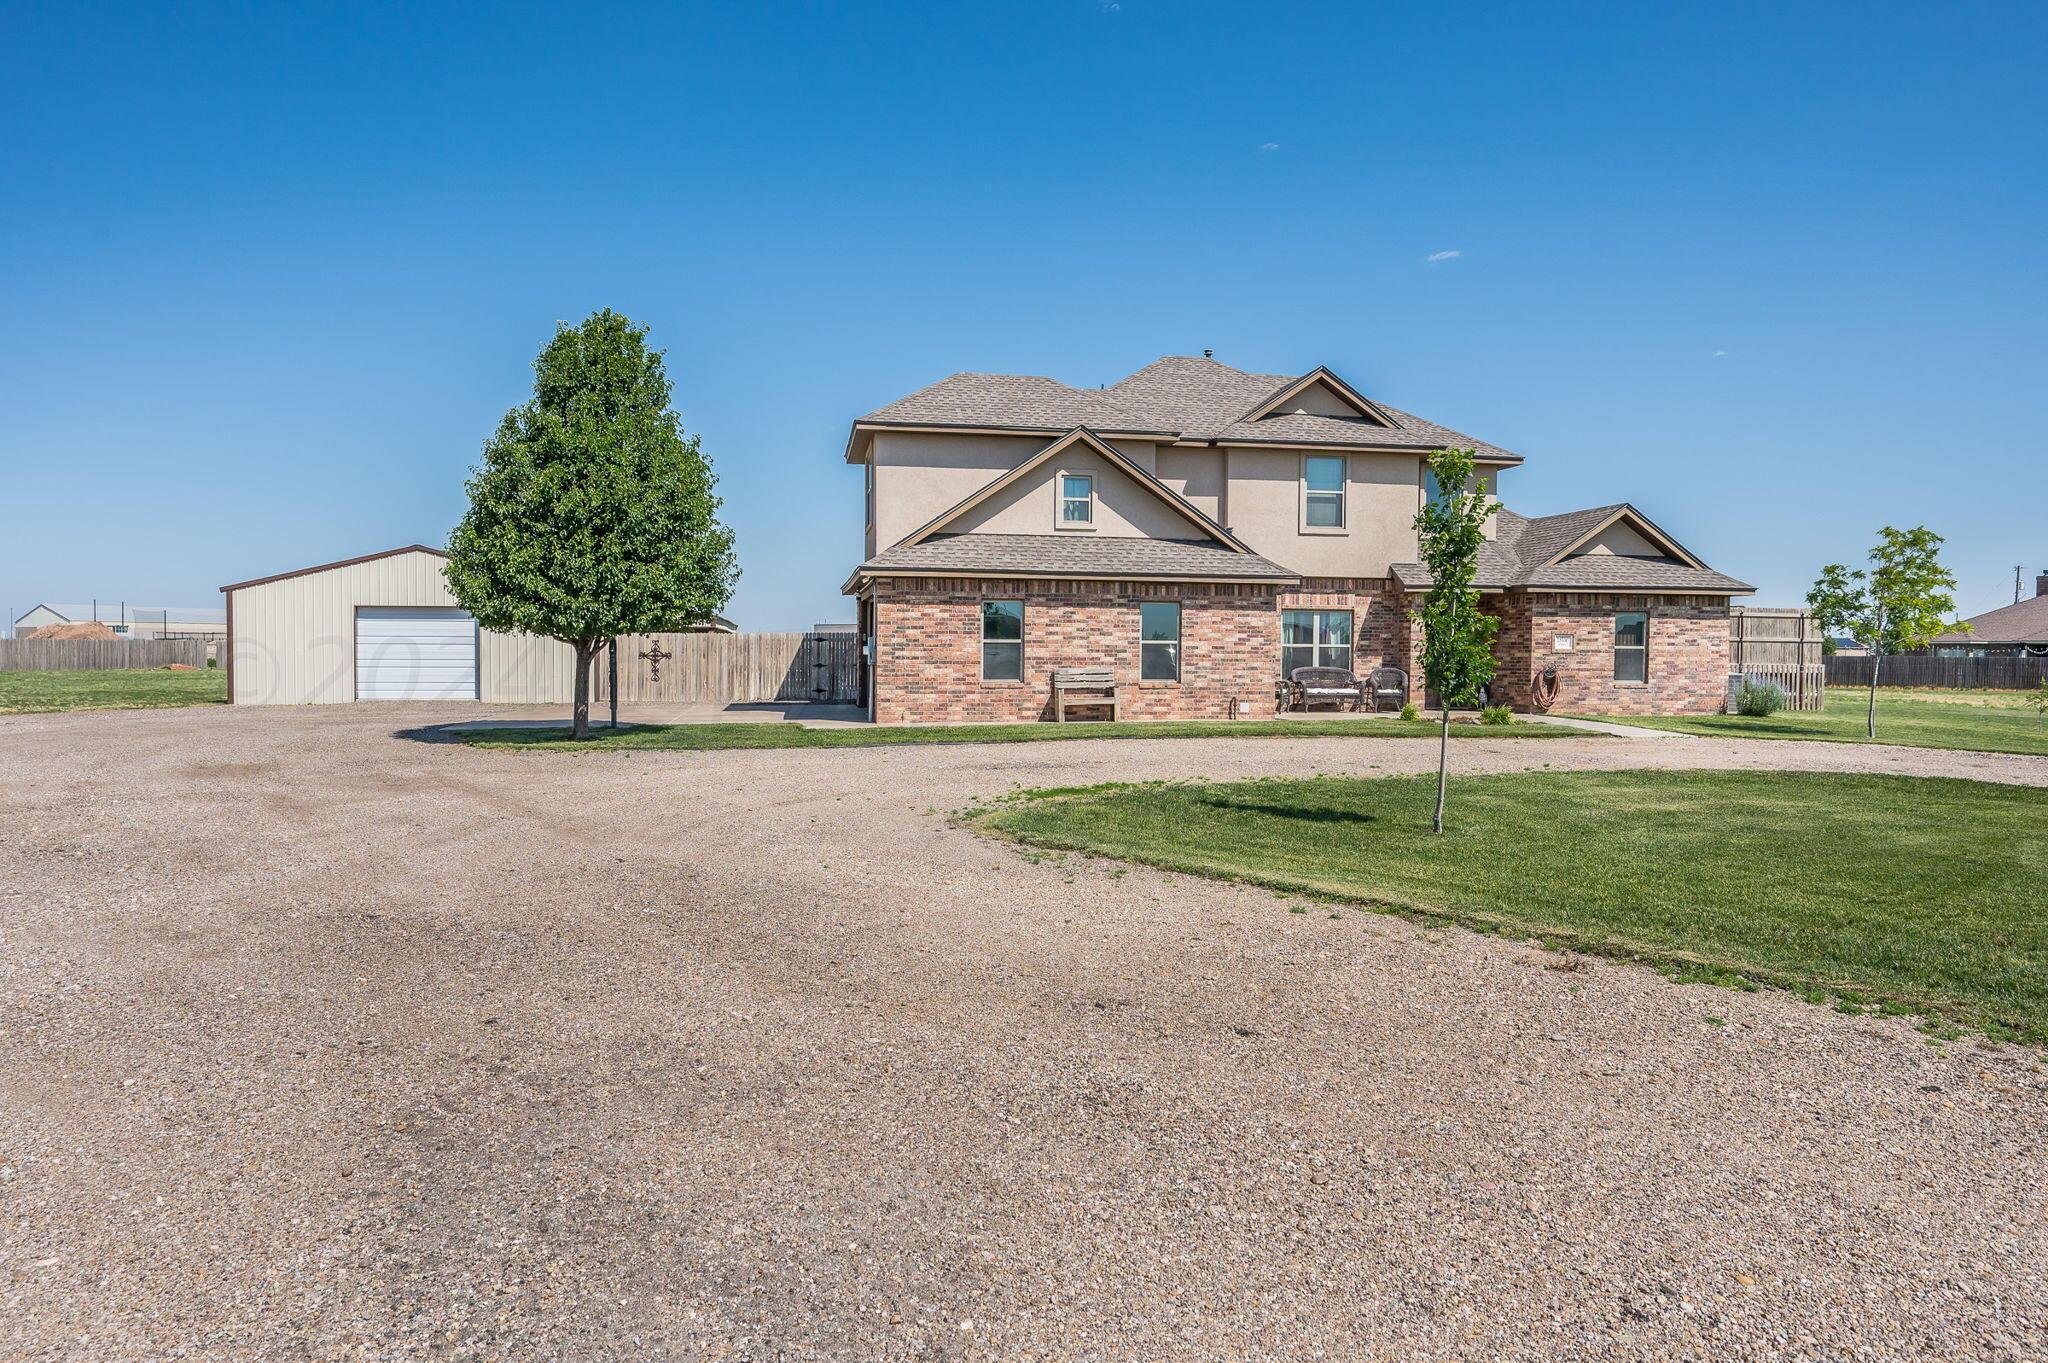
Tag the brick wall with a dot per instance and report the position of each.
(1688, 671)
(1512, 664)
(928, 648)
(1379, 623)
(1688, 664)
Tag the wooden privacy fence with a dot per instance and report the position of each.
(1779, 645)
(79, 655)
(735, 667)
(1962, 674)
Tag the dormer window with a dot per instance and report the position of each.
(1077, 500)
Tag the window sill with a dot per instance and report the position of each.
(1325, 529)
(1002, 681)
(1156, 685)
(1071, 529)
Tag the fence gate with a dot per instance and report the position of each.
(719, 668)
(1780, 646)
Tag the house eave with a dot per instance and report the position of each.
(1349, 447)
(860, 440)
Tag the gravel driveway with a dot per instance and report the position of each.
(320, 1042)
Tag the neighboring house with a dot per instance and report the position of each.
(2016, 631)
(36, 617)
(1201, 530)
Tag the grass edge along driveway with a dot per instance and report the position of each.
(1902, 894)
(2001, 725)
(705, 737)
(125, 688)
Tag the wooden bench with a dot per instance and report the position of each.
(1083, 688)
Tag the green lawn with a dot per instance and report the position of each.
(1999, 722)
(1915, 894)
(701, 737)
(109, 689)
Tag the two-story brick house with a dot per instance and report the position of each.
(1202, 530)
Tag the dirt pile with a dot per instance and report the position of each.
(82, 629)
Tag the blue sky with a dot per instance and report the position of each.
(1773, 273)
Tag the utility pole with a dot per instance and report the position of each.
(2017, 569)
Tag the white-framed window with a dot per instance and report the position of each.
(1314, 639)
(1631, 646)
(1077, 499)
(1002, 641)
(1322, 491)
(1159, 641)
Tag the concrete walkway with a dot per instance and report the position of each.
(1595, 726)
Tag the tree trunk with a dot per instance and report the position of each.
(1443, 767)
(1870, 719)
(579, 723)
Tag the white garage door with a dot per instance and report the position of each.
(415, 653)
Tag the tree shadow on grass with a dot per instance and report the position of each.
(1280, 810)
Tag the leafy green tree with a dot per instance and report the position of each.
(1900, 602)
(593, 514)
(1457, 638)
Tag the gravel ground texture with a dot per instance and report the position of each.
(319, 1041)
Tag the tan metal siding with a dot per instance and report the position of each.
(519, 669)
(295, 637)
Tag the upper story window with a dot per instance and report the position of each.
(1322, 491)
(1631, 646)
(1077, 499)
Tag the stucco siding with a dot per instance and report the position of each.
(922, 474)
(1623, 539)
(1031, 505)
(1383, 493)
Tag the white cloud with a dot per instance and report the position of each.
(1269, 146)
(1719, 353)
(1438, 256)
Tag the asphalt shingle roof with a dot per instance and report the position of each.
(1517, 555)
(2023, 622)
(1184, 396)
(1092, 556)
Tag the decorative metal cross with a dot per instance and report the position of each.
(655, 657)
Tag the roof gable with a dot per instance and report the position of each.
(1538, 552)
(1579, 529)
(1320, 393)
(1083, 438)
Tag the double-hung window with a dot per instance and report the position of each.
(1322, 491)
(1631, 646)
(1002, 641)
(1077, 499)
(1159, 641)
(1314, 639)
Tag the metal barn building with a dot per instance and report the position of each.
(381, 627)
